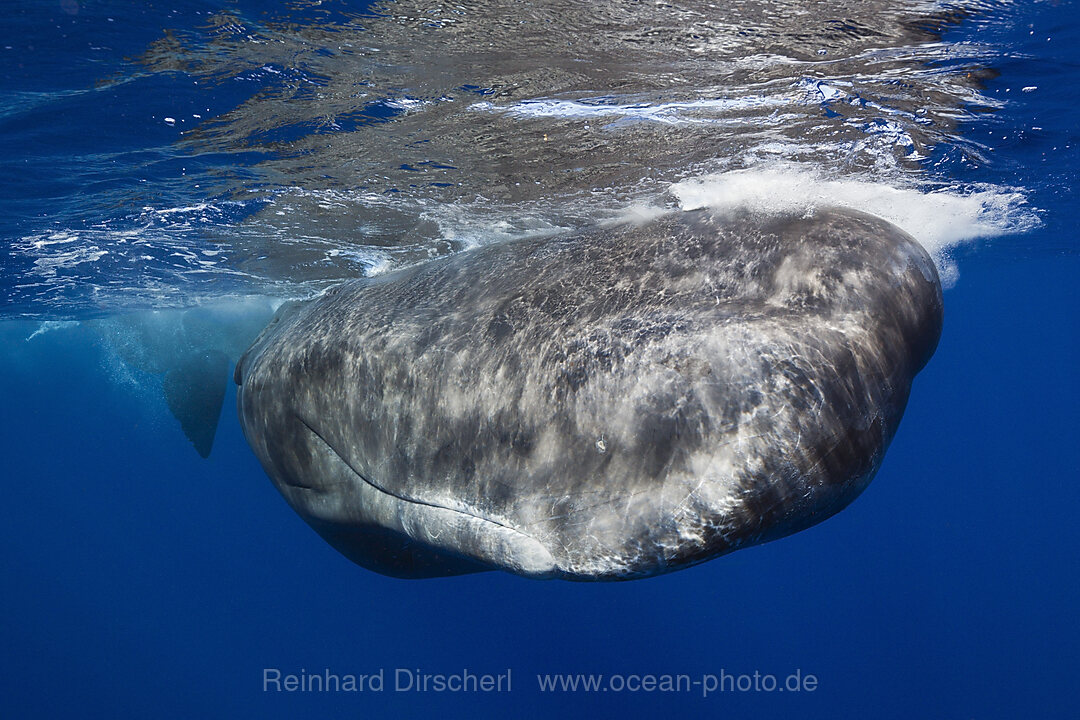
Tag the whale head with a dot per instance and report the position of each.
(609, 405)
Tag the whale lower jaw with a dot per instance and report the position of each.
(427, 529)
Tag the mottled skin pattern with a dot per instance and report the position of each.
(611, 405)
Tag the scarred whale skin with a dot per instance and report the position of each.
(612, 405)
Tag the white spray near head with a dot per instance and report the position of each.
(939, 219)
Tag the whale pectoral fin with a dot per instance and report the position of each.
(195, 391)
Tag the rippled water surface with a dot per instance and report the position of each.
(211, 149)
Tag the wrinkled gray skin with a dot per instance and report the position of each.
(611, 405)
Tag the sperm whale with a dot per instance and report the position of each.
(613, 404)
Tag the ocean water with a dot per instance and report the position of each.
(172, 171)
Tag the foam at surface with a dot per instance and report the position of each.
(940, 219)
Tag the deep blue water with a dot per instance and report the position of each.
(138, 580)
